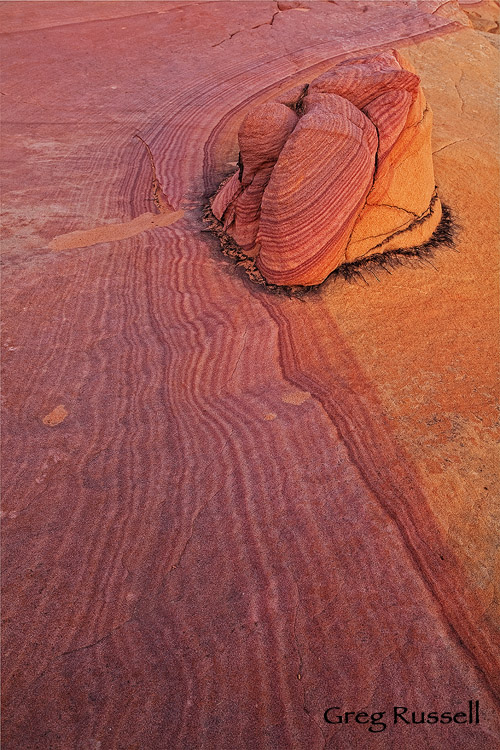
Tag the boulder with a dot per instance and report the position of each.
(333, 172)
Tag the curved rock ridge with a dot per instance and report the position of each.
(333, 171)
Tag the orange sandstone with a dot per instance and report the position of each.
(333, 171)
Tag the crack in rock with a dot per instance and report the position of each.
(95, 643)
(239, 31)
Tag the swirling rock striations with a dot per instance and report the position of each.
(333, 171)
(223, 510)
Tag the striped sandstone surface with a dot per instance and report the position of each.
(333, 171)
(225, 510)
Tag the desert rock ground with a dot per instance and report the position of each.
(226, 510)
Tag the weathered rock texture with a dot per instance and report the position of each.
(484, 15)
(333, 171)
(225, 510)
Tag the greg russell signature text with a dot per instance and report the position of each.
(378, 721)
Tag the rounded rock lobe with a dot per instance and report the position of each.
(333, 172)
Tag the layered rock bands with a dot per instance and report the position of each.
(333, 171)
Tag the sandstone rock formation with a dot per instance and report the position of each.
(333, 171)
(224, 509)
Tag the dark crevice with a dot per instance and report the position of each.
(298, 106)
